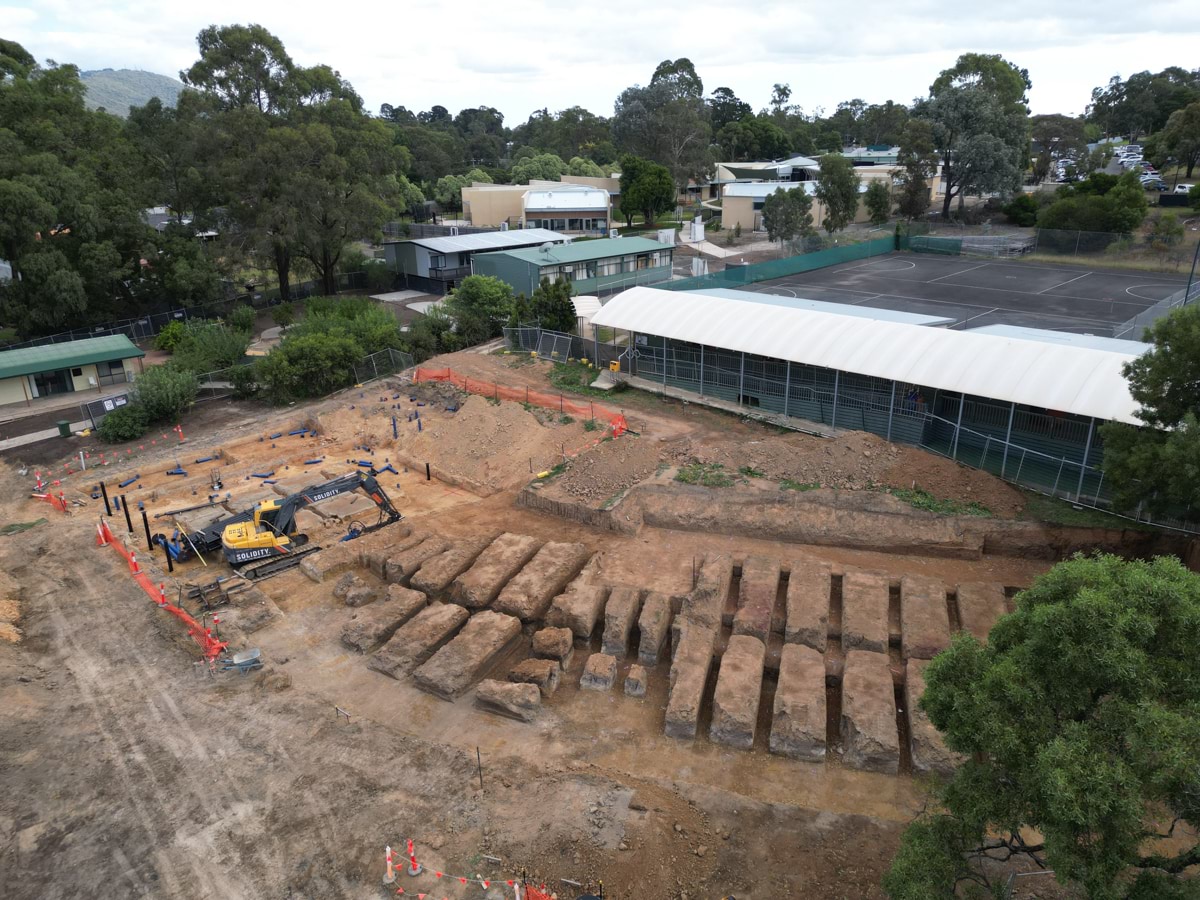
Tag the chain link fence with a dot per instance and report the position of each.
(378, 365)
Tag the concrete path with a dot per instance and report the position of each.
(34, 436)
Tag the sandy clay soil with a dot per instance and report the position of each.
(126, 771)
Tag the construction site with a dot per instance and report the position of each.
(478, 634)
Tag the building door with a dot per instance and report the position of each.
(53, 382)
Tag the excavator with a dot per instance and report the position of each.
(267, 531)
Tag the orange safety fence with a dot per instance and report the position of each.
(210, 645)
(526, 395)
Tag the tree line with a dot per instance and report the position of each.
(282, 168)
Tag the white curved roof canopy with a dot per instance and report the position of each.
(1082, 380)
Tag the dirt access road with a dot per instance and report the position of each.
(124, 773)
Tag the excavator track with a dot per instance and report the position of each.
(275, 566)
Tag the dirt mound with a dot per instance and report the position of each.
(607, 469)
(490, 443)
(854, 461)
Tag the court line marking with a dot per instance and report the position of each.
(961, 304)
(999, 264)
(1130, 292)
(954, 274)
(1013, 291)
(1068, 281)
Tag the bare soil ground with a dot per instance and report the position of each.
(124, 771)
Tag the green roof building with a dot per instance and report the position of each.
(90, 364)
(592, 267)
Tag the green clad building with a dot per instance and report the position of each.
(89, 364)
(592, 267)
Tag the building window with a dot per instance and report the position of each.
(111, 372)
(77, 373)
(437, 261)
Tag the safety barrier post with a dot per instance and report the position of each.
(133, 564)
(414, 867)
(389, 877)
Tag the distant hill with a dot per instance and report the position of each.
(118, 89)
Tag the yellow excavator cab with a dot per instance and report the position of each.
(246, 536)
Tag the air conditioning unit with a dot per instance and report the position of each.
(504, 226)
(453, 230)
(613, 232)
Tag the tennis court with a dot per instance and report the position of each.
(977, 293)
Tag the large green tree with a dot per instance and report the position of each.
(72, 193)
(1058, 136)
(646, 188)
(1144, 102)
(1155, 466)
(542, 167)
(787, 215)
(1080, 724)
(667, 122)
(837, 189)
(918, 163)
(551, 305)
(1181, 136)
(479, 306)
(980, 126)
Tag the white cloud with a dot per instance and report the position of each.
(523, 55)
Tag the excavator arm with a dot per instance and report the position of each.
(253, 537)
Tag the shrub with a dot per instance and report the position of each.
(209, 346)
(244, 380)
(164, 392)
(127, 423)
(283, 315)
(170, 337)
(308, 365)
(242, 319)
(1022, 210)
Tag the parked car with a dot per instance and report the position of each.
(1155, 184)
(1183, 188)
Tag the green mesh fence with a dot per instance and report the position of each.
(734, 276)
(940, 245)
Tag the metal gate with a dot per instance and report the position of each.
(554, 346)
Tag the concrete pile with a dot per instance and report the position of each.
(372, 626)
(504, 557)
(599, 673)
(418, 639)
(346, 555)
(870, 738)
(516, 701)
(798, 720)
(529, 595)
(452, 670)
(929, 750)
(654, 624)
(694, 635)
(620, 614)
(376, 559)
(400, 567)
(554, 643)
(545, 673)
(924, 618)
(864, 612)
(436, 573)
(635, 681)
(578, 607)
(980, 605)
(756, 597)
(739, 689)
(807, 620)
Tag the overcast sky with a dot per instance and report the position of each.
(523, 55)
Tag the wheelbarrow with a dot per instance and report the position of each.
(243, 662)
